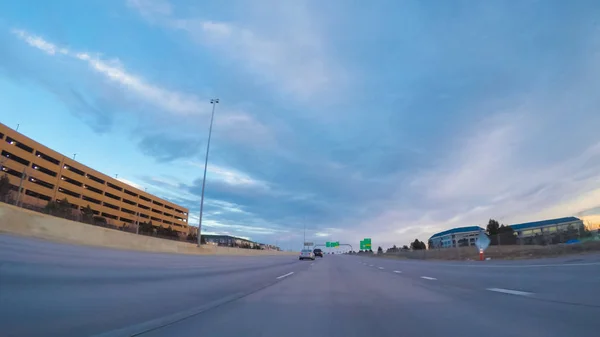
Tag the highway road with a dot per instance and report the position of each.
(49, 289)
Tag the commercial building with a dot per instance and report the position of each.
(44, 175)
(455, 237)
(546, 227)
(233, 241)
(228, 240)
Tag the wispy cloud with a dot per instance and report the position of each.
(240, 126)
(171, 101)
(130, 183)
(38, 42)
(286, 53)
(230, 176)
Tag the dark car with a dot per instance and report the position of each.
(318, 252)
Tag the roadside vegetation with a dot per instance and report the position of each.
(505, 244)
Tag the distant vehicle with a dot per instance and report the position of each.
(318, 252)
(306, 254)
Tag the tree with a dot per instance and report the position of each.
(63, 208)
(146, 228)
(492, 227)
(506, 236)
(379, 250)
(492, 230)
(394, 249)
(99, 221)
(87, 214)
(417, 245)
(51, 207)
(4, 188)
(405, 247)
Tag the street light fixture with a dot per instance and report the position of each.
(214, 103)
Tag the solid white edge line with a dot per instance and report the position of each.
(286, 275)
(397, 271)
(381, 268)
(429, 278)
(511, 292)
(525, 265)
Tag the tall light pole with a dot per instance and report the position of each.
(304, 238)
(214, 103)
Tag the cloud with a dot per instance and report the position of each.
(98, 102)
(282, 48)
(167, 148)
(39, 43)
(465, 113)
(92, 111)
(230, 176)
(174, 102)
(149, 8)
(130, 183)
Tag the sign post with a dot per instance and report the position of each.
(482, 243)
(367, 243)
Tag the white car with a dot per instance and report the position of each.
(306, 254)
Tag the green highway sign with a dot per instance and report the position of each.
(365, 244)
(332, 244)
(327, 244)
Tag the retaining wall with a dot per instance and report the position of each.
(24, 222)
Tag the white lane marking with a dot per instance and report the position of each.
(370, 265)
(512, 292)
(286, 275)
(381, 268)
(397, 271)
(429, 278)
(312, 263)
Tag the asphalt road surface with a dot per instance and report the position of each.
(49, 289)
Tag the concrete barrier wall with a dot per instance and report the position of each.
(24, 222)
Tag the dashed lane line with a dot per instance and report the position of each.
(286, 275)
(510, 291)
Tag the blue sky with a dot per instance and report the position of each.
(383, 119)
